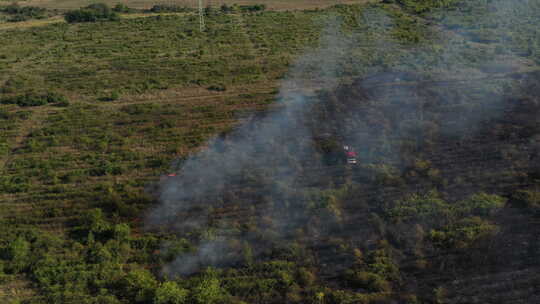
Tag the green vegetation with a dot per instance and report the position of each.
(22, 13)
(32, 99)
(92, 13)
(93, 114)
(164, 8)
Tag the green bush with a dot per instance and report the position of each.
(170, 293)
(94, 221)
(122, 8)
(33, 99)
(423, 6)
(224, 8)
(368, 280)
(253, 8)
(164, 8)
(23, 13)
(481, 204)
(418, 207)
(92, 13)
(112, 96)
(208, 290)
(463, 234)
(140, 284)
(14, 184)
(18, 255)
(4, 148)
(217, 88)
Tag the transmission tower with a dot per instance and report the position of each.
(201, 16)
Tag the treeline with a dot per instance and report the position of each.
(19, 13)
(92, 13)
(33, 99)
(102, 12)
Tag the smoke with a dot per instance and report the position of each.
(259, 184)
(205, 180)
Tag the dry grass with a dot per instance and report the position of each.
(30, 23)
(15, 290)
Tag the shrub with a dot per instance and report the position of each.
(372, 282)
(64, 103)
(33, 99)
(528, 199)
(208, 290)
(122, 8)
(423, 6)
(26, 100)
(226, 9)
(112, 96)
(170, 293)
(217, 88)
(14, 184)
(18, 253)
(253, 8)
(121, 232)
(463, 234)
(23, 13)
(94, 221)
(4, 148)
(419, 207)
(140, 285)
(4, 114)
(53, 97)
(92, 13)
(164, 8)
(482, 204)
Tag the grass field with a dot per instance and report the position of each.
(149, 89)
(175, 89)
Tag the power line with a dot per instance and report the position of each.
(201, 16)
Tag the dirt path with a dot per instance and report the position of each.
(31, 23)
(190, 95)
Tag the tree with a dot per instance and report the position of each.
(370, 281)
(208, 290)
(97, 253)
(121, 231)
(18, 253)
(121, 8)
(462, 234)
(226, 9)
(170, 293)
(94, 221)
(92, 13)
(140, 285)
(481, 204)
(428, 208)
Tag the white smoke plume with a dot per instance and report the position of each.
(274, 149)
(208, 174)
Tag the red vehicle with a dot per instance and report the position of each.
(350, 155)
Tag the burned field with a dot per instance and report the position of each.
(442, 190)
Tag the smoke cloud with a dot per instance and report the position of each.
(274, 164)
